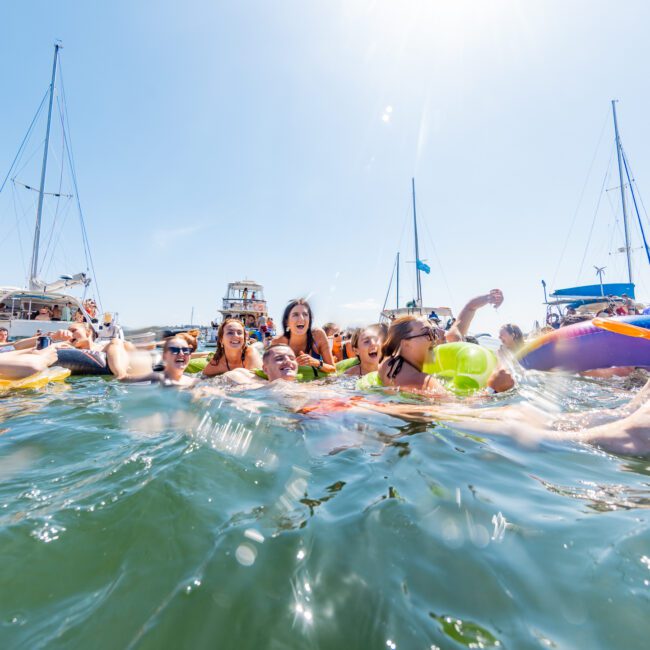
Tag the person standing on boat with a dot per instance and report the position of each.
(66, 312)
(232, 350)
(310, 346)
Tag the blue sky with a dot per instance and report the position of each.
(217, 140)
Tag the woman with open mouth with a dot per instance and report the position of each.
(310, 345)
(177, 352)
(366, 345)
(232, 350)
(409, 345)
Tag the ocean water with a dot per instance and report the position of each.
(143, 517)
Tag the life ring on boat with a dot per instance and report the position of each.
(37, 380)
(553, 320)
(585, 346)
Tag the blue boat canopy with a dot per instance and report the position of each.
(596, 291)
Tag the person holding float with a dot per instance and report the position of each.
(415, 357)
(309, 344)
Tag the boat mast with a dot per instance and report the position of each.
(620, 176)
(417, 250)
(39, 212)
(397, 285)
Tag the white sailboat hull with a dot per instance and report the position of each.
(20, 328)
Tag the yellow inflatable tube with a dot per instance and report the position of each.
(38, 380)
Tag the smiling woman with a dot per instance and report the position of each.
(232, 350)
(309, 344)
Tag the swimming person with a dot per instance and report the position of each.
(177, 352)
(625, 430)
(512, 338)
(408, 345)
(310, 346)
(278, 363)
(232, 350)
(366, 345)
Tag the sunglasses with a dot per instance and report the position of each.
(429, 333)
(176, 350)
(433, 334)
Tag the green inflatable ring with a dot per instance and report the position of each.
(464, 367)
(197, 365)
(346, 364)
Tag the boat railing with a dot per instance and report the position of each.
(244, 304)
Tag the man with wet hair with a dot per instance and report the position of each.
(279, 362)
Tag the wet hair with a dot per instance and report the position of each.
(186, 336)
(380, 329)
(515, 332)
(285, 322)
(270, 350)
(4, 329)
(399, 329)
(220, 351)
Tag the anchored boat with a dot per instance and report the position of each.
(414, 306)
(588, 300)
(26, 310)
(244, 300)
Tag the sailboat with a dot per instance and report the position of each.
(414, 306)
(20, 306)
(589, 299)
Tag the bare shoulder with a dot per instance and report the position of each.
(280, 340)
(319, 335)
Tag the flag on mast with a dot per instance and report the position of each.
(421, 266)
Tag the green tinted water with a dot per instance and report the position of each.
(139, 517)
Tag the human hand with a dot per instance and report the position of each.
(304, 359)
(495, 297)
(500, 381)
(60, 335)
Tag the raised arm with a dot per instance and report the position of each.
(459, 329)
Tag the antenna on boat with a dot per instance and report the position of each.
(397, 284)
(600, 271)
(417, 251)
(620, 176)
(33, 275)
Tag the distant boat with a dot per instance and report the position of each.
(245, 301)
(590, 299)
(413, 306)
(19, 306)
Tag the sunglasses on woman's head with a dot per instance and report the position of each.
(176, 350)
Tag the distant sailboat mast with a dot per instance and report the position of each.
(417, 251)
(33, 276)
(620, 176)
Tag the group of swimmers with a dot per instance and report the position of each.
(397, 353)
